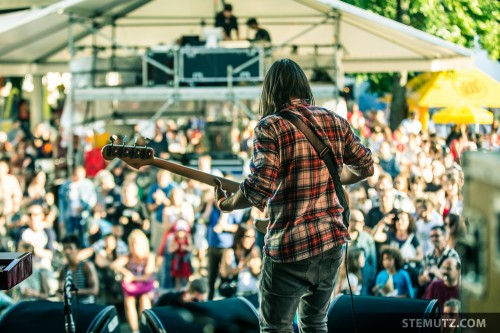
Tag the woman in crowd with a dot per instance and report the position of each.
(405, 239)
(36, 189)
(454, 202)
(417, 188)
(241, 264)
(137, 283)
(455, 229)
(107, 251)
(355, 265)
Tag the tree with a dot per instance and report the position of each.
(463, 22)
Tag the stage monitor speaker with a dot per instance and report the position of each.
(46, 316)
(230, 315)
(381, 314)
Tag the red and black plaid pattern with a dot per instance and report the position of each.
(288, 176)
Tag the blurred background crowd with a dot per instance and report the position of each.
(134, 238)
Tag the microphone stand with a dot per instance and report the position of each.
(69, 323)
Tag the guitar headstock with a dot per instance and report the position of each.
(135, 156)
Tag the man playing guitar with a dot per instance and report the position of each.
(305, 236)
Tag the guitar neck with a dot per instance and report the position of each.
(203, 177)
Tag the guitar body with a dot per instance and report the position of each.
(137, 157)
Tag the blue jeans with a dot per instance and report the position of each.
(307, 285)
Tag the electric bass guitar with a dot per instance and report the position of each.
(139, 156)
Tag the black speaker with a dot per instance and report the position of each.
(45, 316)
(158, 76)
(230, 315)
(382, 314)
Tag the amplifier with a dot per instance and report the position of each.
(155, 75)
(200, 64)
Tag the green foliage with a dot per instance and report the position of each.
(457, 21)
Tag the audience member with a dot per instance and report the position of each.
(36, 287)
(446, 287)
(180, 248)
(132, 212)
(77, 197)
(178, 210)
(11, 194)
(137, 270)
(41, 238)
(392, 281)
(364, 241)
(388, 161)
(427, 219)
(418, 174)
(83, 272)
(220, 236)
(195, 291)
(157, 199)
(241, 264)
(434, 260)
(354, 279)
(411, 124)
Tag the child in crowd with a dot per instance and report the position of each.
(392, 281)
(181, 248)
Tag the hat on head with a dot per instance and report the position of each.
(181, 225)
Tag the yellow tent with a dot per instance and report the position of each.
(443, 89)
(464, 114)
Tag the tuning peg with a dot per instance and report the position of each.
(113, 138)
(124, 140)
(147, 141)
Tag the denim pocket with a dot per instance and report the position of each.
(289, 278)
(336, 261)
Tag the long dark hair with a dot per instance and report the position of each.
(353, 266)
(284, 80)
(239, 236)
(393, 253)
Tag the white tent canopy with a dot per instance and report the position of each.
(36, 41)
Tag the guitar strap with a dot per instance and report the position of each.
(326, 154)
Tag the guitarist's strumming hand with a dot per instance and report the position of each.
(220, 195)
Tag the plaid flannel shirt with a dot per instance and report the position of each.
(288, 175)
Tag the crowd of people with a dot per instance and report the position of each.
(136, 238)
